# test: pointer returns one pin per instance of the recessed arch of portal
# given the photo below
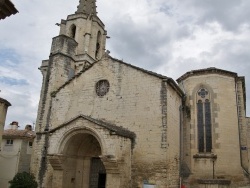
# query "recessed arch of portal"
(81, 149)
(79, 136)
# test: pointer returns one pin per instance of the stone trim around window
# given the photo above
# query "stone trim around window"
(102, 87)
(205, 155)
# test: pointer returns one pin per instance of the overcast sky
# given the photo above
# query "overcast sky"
(170, 37)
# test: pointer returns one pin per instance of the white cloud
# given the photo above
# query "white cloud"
(170, 37)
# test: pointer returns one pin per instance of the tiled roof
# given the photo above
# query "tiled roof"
(13, 133)
(5, 101)
(7, 8)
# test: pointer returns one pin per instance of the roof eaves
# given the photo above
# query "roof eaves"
(174, 85)
(141, 69)
(210, 70)
(5, 101)
(7, 9)
(242, 79)
(18, 137)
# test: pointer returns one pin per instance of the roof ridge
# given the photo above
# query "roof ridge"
(141, 69)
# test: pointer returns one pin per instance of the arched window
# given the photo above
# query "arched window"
(98, 44)
(72, 31)
(204, 125)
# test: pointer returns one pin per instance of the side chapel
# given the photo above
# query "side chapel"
(106, 123)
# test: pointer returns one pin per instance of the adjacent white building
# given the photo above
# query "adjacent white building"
(16, 152)
(4, 104)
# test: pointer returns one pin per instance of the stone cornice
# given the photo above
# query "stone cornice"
(114, 129)
(85, 16)
(211, 70)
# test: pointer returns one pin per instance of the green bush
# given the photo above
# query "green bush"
(23, 180)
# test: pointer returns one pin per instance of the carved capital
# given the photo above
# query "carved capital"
(111, 164)
(56, 161)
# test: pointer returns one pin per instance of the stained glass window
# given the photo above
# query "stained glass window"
(202, 93)
(208, 126)
(200, 126)
(204, 125)
(102, 87)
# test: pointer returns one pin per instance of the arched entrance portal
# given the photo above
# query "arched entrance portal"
(82, 167)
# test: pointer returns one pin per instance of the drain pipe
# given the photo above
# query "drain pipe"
(237, 100)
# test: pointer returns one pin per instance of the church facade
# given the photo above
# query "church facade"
(105, 123)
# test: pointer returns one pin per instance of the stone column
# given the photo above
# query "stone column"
(113, 180)
(112, 172)
(57, 181)
(86, 43)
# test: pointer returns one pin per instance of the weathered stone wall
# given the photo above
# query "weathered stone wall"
(55, 73)
(70, 52)
(248, 141)
(225, 129)
(174, 103)
(86, 33)
(116, 151)
(37, 157)
(242, 123)
(25, 157)
(134, 101)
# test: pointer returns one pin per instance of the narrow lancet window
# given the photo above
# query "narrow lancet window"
(98, 44)
(208, 126)
(200, 126)
(73, 31)
(204, 125)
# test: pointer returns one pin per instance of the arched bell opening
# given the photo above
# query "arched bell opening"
(72, 32)
(98, 45)
(82, 166)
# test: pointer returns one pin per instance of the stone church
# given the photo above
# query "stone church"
(105, 123)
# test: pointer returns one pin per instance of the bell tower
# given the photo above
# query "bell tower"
(80, 43)
(87, 30)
